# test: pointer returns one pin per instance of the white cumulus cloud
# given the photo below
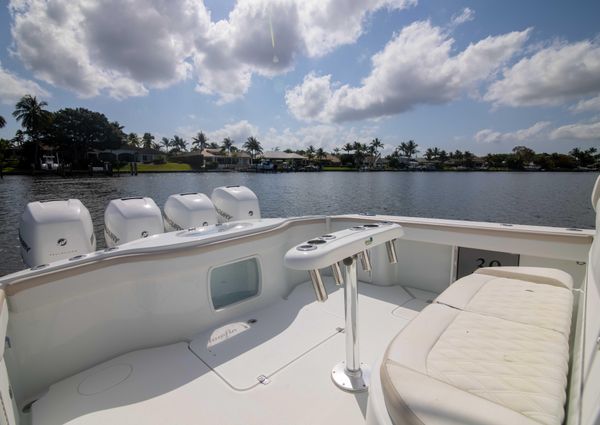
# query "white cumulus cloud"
(238, 132)
(585, 105)
(526, 134)
(577, 131)
(13, 87)
(466, 15)
(551, 76)
(415, 67)
(127, 48)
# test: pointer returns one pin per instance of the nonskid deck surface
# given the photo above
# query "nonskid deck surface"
(294, 343)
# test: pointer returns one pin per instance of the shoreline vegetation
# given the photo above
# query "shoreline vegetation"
(77, 142)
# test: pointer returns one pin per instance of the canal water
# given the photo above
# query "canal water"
(548, 199)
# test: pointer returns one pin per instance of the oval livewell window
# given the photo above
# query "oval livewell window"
(234, 282)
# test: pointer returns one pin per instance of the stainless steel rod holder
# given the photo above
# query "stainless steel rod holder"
(365, 260)
(391, 251)
(351, 375)
(337, 274)
(318, 285)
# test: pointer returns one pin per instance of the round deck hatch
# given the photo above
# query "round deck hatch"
(104, 379)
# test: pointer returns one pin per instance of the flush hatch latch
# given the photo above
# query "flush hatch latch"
(263, 380)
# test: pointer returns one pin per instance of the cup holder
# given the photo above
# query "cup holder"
(316, 241)
(306, 247)
(328, 237)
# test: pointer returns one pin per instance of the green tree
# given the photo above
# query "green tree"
(75, 131)
(2, 121)
(524, 154)
(429, 154)
(374, 149)
(409, 148)
(199, 142)
(148, 141)
(468, 158)
(320, 154)
(348, 147)
(226, 146)
(253, 147)
(310, 153)
(165, 143)
(178, 145)
(34, 119)
(133, 140)
(584, 157)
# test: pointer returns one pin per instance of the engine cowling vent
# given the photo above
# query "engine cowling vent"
(128, 219)
(187, 210)
(234, 203)
(54, 230)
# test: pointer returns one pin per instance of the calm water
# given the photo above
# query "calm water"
(552, 199)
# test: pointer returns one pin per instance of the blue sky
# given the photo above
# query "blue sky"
(478, 76)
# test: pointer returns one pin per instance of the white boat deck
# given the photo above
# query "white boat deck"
(214, 378)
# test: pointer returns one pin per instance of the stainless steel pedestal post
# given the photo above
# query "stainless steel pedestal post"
(351, 375)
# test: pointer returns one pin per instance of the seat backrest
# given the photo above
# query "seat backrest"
(7, 403)
(590, 398)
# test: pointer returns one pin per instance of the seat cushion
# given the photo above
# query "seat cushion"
(544, 275)
(450, 365)
(544, 305)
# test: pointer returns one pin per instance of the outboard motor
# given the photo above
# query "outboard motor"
(128, 219)
(55, 230)
(235, 203)
(186, 210)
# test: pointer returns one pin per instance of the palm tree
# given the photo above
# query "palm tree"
(336, 151)
(33, 118)
(166, 143)
(429, 154)
(226, 146)
(348, 148)
(374, 148)
(443, 156)
(133, 140)
(200, 141)
(310, 153)
(147, 140)
(320, 154)
(253, 147)
(359, 153)
(178, 144)
(411, 148)
(2, 121)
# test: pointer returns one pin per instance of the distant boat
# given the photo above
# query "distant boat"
(50, 163)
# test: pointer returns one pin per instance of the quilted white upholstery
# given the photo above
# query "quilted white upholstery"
(490, 337)
(546, 306)
(521, 367)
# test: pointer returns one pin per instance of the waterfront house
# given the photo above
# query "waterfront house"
(127, 153)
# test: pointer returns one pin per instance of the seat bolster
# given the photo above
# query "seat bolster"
(416, 399)
(543, 275)
(412, 345)
(461, 292)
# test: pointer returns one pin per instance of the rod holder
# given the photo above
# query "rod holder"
(365, 260)
(351, 375)
(391, 251)
(337, 274)
(318, 285)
